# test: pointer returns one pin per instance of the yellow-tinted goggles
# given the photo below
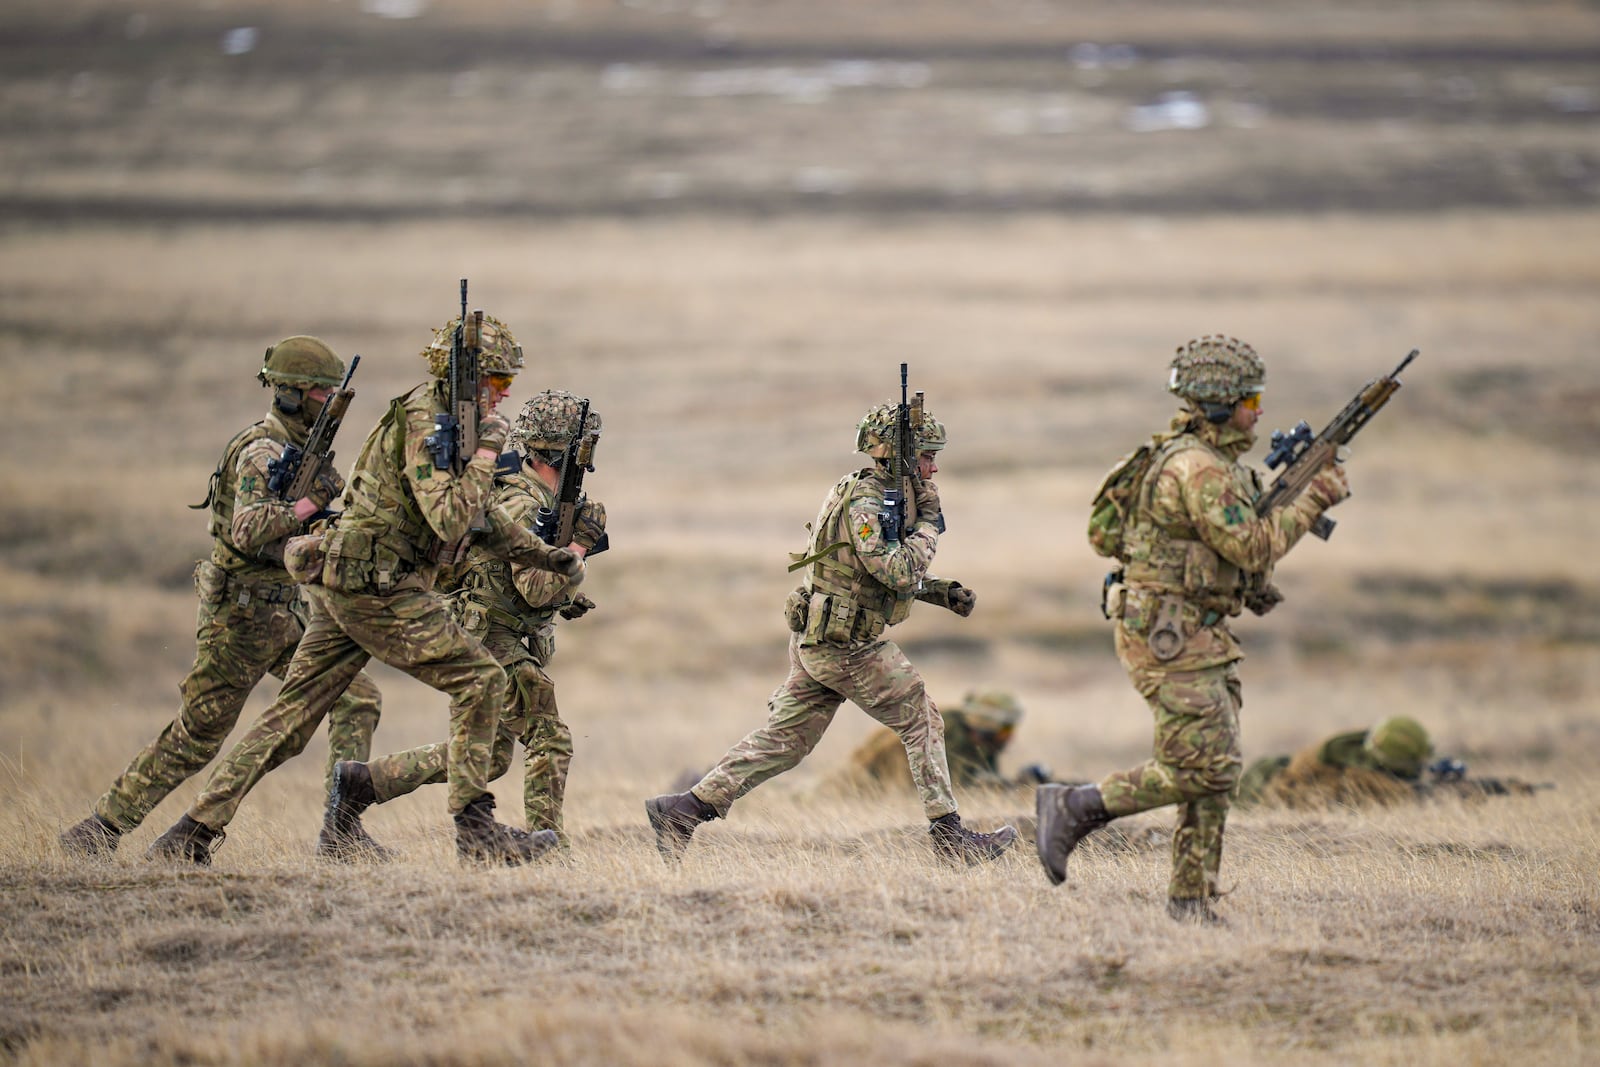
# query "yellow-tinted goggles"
(501, 382)
(1251, 401)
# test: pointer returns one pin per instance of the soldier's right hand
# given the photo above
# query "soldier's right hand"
(327, 487)
(1330, 486)
(928, 505)
(493, 429)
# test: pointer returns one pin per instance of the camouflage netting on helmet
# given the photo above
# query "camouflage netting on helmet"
(992, 709)
(501, 353)
(1216, 370)
(1400, 745)
(548, 421)
(875, 432)
(301, 361)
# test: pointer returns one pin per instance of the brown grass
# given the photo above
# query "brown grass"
(172, 215)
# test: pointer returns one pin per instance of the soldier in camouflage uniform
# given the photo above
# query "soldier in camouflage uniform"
(1385, 765)
(512, 608)
(375, 598)
(857, 584)
(976, 732)
(1193, 554)
(251, 614)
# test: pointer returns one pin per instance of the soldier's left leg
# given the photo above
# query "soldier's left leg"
(1197, 840)
(1196, 751)
(354, 716)
(882, 682)
(547, 749)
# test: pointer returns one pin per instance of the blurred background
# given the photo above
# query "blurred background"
(727, 222)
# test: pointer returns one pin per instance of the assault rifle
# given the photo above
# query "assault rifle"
(1449, 775)
(292, 475)
(900, 501)
(554, 526)
(1303, 456)
(455, 430)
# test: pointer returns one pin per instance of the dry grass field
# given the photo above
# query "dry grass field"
(727, 222)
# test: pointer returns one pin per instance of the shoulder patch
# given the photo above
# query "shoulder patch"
(424, 470)
(247, 484)
(1233, 514)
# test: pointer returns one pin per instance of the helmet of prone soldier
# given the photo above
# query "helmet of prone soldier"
(875, 433)
(1216, 372)
(301, 362)
(547, 423)
(501, 354)
(994, 710)
(1399, 745)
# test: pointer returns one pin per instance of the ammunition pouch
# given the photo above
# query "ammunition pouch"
(1165, 621)
(838, 619)
(359, 563)
(217, 587)
(794, 610)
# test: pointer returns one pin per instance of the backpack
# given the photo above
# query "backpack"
(1114, 503)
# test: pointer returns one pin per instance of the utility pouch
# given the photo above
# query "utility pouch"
(349, 562)
(210, 582)
(816, 619)
(841, 620)
(1113, 595)
(385, 568)
(794, 610)
(1166, 638)
(304, 557)
(899, 611)
(1201, 569)
(869, 625)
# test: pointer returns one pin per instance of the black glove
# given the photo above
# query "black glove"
(493, 429)
(1260, 601)
(589, 524)
(948, 594)
(327, 487)
(577, 607)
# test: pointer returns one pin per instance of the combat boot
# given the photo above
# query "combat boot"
(343, 838)
(1195, 911)
(90, 839)
(479, 839)
(673, 816)
(186, 840)
(1066, 815)
(954, 841)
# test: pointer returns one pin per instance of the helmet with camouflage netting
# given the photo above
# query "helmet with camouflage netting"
(1216, 370)
(1399, 745)
(875, 433)
(301, 362)
(547, 423)
(992, 710)
(501, 354)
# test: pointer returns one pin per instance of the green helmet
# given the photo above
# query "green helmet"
(991, 710)
(1216, 370)
(501, 354)
(875, 432)
(1399, 745)
(547, 422)
(301, 361)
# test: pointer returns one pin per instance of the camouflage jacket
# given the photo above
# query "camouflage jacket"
(248, 523)
(399, 508)
(853, 572)
(487, 591)
(1194, 541)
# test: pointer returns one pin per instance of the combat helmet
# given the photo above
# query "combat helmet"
(875, 432)
(994, 710)
(1215, 371)
(546, 424)
(501, 354)
(1399, 745)
(301, 362)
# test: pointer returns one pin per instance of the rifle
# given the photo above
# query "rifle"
(455, 430)
(1305, 456)
(554, 526)
(1448, 774)
(900, 502)
(292, 475)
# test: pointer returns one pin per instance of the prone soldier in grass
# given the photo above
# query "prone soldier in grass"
(420, 486)
(252, 615)
(867, 562)
(512, 608)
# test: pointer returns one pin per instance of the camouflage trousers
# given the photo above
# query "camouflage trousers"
(409, 629)
(235, 646)
(879, 679)
(530, 717)
(1195, 765)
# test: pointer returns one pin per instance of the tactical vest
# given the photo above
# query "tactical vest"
(1172, 560)
(847, 604)
(382, 536)
(219, 499)
(485, 585)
